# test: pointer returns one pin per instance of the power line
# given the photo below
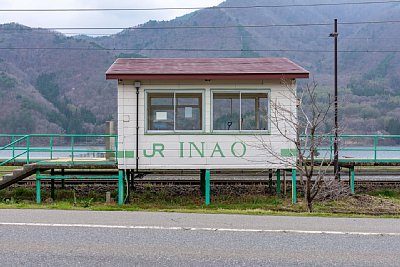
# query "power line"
(179, 27)
(195, 8)
(209, 26)
(227, 36)
(196, 50)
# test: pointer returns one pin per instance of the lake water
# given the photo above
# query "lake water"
(392, 152)
(58, 152)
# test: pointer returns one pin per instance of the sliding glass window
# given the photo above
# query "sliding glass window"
(175, 111)
(241, 111)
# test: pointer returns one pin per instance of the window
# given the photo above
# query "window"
(174, 111)
(241, 111)
(161, 111)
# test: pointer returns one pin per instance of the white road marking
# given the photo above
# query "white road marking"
(178, 228)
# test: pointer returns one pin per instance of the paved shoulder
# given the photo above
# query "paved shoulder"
(202, 221)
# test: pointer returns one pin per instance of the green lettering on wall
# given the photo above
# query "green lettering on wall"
(125, 154)
(217, 149)
(289, 152)
(235, 153)
(200, 152)
(181, 149)
(157, 148)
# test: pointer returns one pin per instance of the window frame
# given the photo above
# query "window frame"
(240, 91)
(174, 92)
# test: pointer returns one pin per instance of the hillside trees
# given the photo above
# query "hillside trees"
(70, 117)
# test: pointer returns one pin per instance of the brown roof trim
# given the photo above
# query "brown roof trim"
(257, 76)
(204, 69)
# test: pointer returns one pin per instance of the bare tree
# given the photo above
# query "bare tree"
(303, 124)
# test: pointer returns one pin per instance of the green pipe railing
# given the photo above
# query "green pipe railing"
(28, 145)
(369, 147)
(23, 147)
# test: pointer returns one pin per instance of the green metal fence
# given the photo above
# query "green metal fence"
(361, 148)
(35, 147)
(39, 147)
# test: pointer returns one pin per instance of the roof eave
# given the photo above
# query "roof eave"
(234, 76)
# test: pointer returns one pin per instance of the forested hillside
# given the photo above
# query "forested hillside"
(50, 82)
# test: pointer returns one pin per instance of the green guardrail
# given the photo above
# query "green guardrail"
(360, 148)
(24, 147)
(352, 148)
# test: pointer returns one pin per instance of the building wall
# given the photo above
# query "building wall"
(217, 150)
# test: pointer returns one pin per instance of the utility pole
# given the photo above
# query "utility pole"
(336, 168)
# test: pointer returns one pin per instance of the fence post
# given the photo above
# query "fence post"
(37, 187)
(375, 145)
(51, 147)
(28, 148)
(13, 147)
(109, 143)
(72, 148)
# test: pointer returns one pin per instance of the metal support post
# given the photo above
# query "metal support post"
(137, 85)
(203, 182)
(278, 182)
(132, 185)
(37, 187)
(270, 181)
(120, 187)
(62, 180)
(128, 189)
(294, 196)
(207, 187)
(52, 186)
(336, 166)
(351, 174)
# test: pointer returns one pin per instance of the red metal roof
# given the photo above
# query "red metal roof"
(204, 68)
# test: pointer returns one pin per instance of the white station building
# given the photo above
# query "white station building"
(203, 114)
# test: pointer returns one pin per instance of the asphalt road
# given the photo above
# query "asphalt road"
(85, 238)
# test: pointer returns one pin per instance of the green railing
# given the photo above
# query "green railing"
(34, 147)
(38, 147)
(361, 148)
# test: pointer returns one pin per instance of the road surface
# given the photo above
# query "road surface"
(88, 238)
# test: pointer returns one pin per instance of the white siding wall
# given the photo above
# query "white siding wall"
(255, 157)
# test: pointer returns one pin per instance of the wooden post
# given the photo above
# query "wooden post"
(108, 197)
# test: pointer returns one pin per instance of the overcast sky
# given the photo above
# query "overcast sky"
(94, 19)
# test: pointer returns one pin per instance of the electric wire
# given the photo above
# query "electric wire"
(198, 50)
(205, 26)
(199, 7)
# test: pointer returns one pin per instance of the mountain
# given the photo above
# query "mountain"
(62, 88)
